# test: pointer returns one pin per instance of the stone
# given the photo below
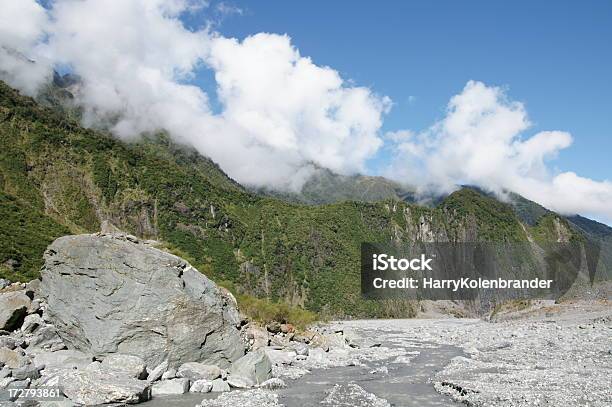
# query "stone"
(170, 387)
(255, 366)
(273, 384)
(46, 338)
(13, 309)
(62, 359)
(201, 386)
(196, 371)
(12, 358)
(300, 348)
(31, 323)
(158, 371)
(131, 365)
(280, 357)
(246, 398)
(169, 374)
(5, 372)
(110, 293)
(219, 385)
(29, 371)
(4, 283)
(287, 328)
(239, 382)
(103, 386)
(258, 337)
(7, 342)
(274, 327)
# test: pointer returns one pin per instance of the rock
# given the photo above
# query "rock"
(273, 384)
(218, 385)
(300, 348)
(169, 387)
(5, 372)
(131, 365)
(157, 373)
(169, 374)
(196, 371)
(257, 336)
(29, 371)
(255, 366)
(101, 387)
(280, 357)
(246, 398)
(5, 381)
(274, 327)
(7, 342)
(287, 328)
(12, 358)
(109, 293)
(13, 309)
(46, 338)
(4, 283)
(279, 341)
(239, 382)
(31, 323)
(380, 370)
(62, 359)
(201, 386)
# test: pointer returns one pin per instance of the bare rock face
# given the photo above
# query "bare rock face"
(111, 293)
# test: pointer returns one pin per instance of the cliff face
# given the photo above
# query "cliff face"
(58, 178)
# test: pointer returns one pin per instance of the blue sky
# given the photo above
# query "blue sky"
(554, 56)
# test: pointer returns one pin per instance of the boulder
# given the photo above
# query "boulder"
(158, 371)
(280, 357)
(28, 371)
(7, 342)
(219, 385)
(62, 359)
(46, 338)
(93, 387)
(255, 366)
(273, 384)
(239, 382)
(31, 323)
(12, 358)
(131, 365)
(196, 371)
(170, 387)
(201, 386)
(13, 309)
(258, 337)
(169, 374)
(110, 293)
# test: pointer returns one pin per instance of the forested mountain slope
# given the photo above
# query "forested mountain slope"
(57, 177)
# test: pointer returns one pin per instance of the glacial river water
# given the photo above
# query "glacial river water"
(405, 384)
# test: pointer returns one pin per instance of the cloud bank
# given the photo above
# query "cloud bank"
(281, 115)
(480, 142)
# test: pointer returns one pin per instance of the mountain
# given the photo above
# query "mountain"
(57, 177)
(325, 186)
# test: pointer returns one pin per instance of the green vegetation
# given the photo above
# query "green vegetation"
(58, 178)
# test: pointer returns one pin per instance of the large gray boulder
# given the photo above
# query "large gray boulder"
(110, 293)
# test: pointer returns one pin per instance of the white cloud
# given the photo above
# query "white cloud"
(281, 114)
(22, 26)
(480, 142)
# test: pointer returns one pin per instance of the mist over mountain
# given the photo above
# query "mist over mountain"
(280, 116)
